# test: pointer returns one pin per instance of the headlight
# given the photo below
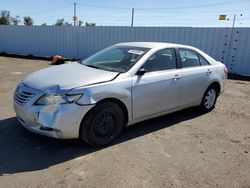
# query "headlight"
(50, 99)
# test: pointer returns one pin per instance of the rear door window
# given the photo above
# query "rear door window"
(203, 61)
(189, 58)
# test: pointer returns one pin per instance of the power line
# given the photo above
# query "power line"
(163, 8)
(138, 10)
(193, 6)
(100, 6)
(179, 13)
(197, 11)
(243, 19)
(47, 10)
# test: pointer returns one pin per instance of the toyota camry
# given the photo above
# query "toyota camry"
(95, 98)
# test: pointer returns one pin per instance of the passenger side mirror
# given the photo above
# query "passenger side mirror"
(141, 71)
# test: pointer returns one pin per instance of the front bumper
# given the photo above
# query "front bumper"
(58, 121)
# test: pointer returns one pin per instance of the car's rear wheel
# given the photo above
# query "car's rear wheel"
(209, 99)
(102, 124)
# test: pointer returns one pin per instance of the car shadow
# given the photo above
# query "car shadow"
(23, 151)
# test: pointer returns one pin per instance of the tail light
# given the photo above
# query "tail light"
(225, 71)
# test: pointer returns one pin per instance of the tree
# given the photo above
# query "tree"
(89, 24)
(80, 22)
(61, 22)
(28, 20)
(15, 20)
(5, 18)
(67, 24)
(44, 24)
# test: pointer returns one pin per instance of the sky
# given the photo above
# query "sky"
(195, 13)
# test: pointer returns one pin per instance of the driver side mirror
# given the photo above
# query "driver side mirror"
(141, 71)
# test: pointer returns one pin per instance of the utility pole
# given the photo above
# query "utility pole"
(230, 42)
(232, 32)
(231, 37)
(132, 21)
(234, 21)
(74, 17)
(229, 59)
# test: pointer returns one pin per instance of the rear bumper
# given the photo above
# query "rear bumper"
(223, 85)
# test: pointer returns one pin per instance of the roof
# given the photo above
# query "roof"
(161, 45)
(153, 45)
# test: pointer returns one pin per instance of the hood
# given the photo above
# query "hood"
(67, 76)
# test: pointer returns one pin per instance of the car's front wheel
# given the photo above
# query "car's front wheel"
(102, 124)
(209, 99)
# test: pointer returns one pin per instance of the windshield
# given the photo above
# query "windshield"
(115, 58)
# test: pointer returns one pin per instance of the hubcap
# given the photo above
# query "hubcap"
(105, 125)
(210, 98)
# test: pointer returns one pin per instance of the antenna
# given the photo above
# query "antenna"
(132, 21)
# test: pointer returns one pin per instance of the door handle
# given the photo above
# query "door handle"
(209, 71)
(177, 77)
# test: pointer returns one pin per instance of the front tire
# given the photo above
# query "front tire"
(209, 99)
(102, 124)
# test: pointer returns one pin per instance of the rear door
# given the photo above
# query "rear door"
(194, 77)
(157, 90)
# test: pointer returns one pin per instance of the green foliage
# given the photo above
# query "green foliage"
(27, 20)
(80, 23)
(61, 22)
(15, 20)
(89, 24)
(5, 18)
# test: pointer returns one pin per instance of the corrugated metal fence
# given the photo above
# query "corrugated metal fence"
(232, 47)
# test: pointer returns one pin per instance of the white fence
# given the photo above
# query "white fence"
(232, 47)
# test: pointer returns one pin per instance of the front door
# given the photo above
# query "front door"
(159, 89)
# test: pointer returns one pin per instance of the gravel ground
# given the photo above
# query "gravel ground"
(184, 149)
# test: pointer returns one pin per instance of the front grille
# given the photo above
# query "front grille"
(22, 97)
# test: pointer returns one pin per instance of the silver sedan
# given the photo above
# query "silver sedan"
(121, 85)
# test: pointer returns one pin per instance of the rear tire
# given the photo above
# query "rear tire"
(209, 99)
(102, 124)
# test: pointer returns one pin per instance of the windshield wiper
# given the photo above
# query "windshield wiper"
(100, 67)
(92, 66)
